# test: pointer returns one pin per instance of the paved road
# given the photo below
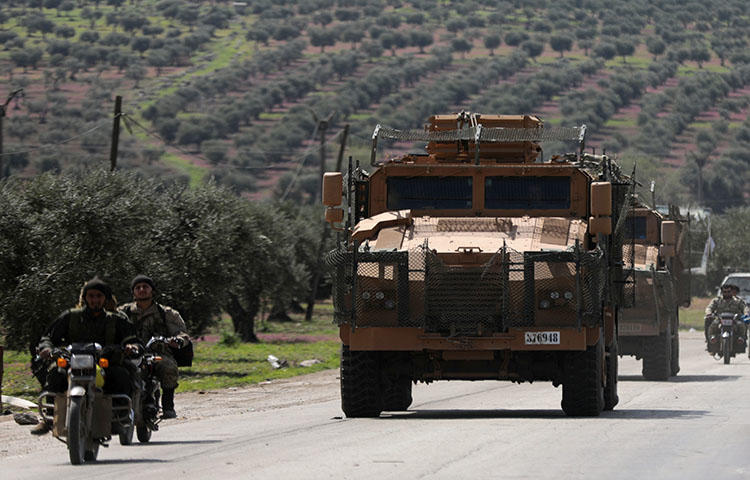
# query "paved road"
(694, 426)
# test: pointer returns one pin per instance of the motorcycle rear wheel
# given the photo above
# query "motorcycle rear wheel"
(76, 432)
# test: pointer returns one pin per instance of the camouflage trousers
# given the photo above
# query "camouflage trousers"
(166, 371)
(740, 329)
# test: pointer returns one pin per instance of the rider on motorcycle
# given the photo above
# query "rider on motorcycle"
(88, 323)
(725, 302)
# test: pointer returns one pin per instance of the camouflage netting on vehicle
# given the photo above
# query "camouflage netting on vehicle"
(654, 298)
(512, 289)
(483, 134)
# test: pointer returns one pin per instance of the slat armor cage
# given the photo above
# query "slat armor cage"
(512, 289)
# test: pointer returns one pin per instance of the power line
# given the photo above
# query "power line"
(52, 145)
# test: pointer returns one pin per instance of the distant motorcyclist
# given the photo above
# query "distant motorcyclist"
(89, 322)
(725, 302)
(152, 319)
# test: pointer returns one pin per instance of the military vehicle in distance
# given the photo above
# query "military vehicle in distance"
(654, 249)
(477, 260)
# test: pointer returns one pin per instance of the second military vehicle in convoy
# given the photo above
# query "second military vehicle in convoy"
(654, 251)
(478, 260)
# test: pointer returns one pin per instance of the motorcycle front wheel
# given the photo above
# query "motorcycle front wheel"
(76, 431)
(143, 433)
(726, 349)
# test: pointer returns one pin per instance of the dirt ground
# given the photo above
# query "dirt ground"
(16, 440)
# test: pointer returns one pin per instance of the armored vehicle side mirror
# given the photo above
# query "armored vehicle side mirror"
(601, 225)
(601, 199)
(601, 208)
(668, 239)
(333, 188)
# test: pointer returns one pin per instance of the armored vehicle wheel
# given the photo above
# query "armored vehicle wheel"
(675, 363)
(76, 431)
(361, 394)
(610, 388)
(397, 394)
(143, 433)
(657, 356)
(583, 389)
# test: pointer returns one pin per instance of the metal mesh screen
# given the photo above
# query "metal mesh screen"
(512, 289)
(654, 297)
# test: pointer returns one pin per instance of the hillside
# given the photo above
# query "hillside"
(232, 91)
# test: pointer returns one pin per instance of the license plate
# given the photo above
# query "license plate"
(542, 338)
(727, 321)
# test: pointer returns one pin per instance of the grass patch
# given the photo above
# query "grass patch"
(692, 316)
(227, 363)
(219, 366)
(621, 122)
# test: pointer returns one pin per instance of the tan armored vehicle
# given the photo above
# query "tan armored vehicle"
(654, 250)
(477, 260)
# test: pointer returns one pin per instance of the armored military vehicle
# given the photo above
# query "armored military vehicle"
(478, 260)
(654, 249)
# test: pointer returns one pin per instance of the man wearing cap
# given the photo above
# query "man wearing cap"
(726, 302)
(152, 319)
(88, 323)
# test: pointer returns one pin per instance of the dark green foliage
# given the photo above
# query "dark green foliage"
(207, 249)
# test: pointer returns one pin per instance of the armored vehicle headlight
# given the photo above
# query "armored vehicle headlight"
(389, 304)
(380, 295)
(544, 304)
(554, 295)
(568, 295)
(81, 361)
(365, 295)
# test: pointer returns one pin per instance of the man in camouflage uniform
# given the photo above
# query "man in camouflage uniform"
(88, 323)
(726, 302)
(154, 320)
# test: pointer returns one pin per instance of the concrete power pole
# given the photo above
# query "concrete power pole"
(3, 109)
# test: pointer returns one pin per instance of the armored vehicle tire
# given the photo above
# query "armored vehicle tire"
(76, 431)
(143, 433)
(610, 387)
(675, 351)
(397, 394)
(657, 356)
(583, 389)
(361, 394)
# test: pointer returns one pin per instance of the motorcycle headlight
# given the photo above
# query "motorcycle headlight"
(81, 362)
(544, 304)
(554, 295)
(568, 295)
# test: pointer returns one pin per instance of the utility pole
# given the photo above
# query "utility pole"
(115, 134)
(326, 228)
(3, 108)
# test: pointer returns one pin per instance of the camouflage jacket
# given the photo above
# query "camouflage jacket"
(732, 305)
(79, 325)
(151, 323)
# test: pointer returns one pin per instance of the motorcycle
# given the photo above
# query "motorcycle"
(727, 343)
(84, 417)
(147, 397)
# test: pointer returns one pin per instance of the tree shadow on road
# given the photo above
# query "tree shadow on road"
(680, 378)
(655, 414)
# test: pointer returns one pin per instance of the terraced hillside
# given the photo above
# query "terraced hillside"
(234, 92)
